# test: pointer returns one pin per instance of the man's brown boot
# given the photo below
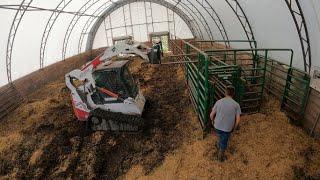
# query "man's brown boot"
(221, 156)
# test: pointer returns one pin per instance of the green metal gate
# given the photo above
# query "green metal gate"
(290, 85)
(250, 71)
(198, 83)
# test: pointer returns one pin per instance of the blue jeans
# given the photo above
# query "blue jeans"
(223, 139)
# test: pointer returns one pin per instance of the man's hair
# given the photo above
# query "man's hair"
(230, 91)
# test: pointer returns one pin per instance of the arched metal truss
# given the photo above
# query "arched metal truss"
(198, 14)
(301, 26)
(73, 23)
(148, 15)
(192, 23)
(12, 34)
(242, 17)
(193, 17)
(118, 4)
(39, 9)
(233, 4)
(213, 15)
(54, 16)
(217, 20)
(85, 31)
(89, 22)
(171, 22)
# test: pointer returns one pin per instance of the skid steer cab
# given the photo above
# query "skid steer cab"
(104, 93)
(115, 82)
(116, 104)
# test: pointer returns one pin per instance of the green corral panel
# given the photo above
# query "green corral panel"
(249, 71)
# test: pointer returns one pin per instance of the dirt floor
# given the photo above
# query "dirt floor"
(42, 139)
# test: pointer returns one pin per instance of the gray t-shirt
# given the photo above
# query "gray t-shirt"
(226, 110)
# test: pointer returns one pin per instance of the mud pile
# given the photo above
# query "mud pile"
(43, 139)
(265, 147)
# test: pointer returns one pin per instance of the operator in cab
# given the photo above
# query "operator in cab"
(225, 117)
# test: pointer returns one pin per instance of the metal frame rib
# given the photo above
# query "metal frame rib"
(301, 26)
(217, 20)
(116, 5)
(12, 34)
(242, 17)
(72, 24)
(39, 9)
(89, 22)
(191, 13)
(54, 16)
(196, 14)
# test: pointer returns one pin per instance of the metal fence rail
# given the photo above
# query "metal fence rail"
(219, 44)
(251, 71)
(290, 85)
(197, 78)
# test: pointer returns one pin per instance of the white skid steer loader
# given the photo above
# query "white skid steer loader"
(104, 93)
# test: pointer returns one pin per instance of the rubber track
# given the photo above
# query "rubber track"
(123, 121)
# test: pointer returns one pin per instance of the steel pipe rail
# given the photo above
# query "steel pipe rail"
(116, 5)
(202, 20)
(187, 10)
(72, 24)
(242, 17)
(12, 34)
(217, 20)
(89, 22)
(54, 16)
(175, 9)
(34, 8)
(301, 26)
(237, 9)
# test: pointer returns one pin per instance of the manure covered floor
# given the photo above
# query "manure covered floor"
(42, 139)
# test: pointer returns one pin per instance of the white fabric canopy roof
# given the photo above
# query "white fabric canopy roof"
(272, 26)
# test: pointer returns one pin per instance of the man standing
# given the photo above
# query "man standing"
(226, 117)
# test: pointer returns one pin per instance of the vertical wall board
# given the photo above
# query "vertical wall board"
(312, 112)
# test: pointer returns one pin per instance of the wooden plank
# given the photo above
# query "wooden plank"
(5, 92)
(315, 93)
(314, 99)
(8, 106)
(311, 116)
(5, 112)
(10, 100)
(8, 96)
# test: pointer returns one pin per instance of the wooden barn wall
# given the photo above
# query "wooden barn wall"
(275, 84)
(312, 113)
(12, 95)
